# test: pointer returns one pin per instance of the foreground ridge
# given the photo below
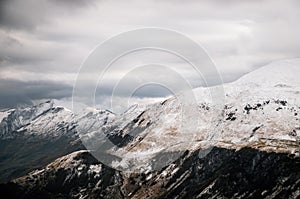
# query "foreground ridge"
(247, 173)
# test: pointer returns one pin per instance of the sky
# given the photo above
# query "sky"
(44, 42)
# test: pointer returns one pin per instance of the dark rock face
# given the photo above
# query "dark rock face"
(228, 174)
(223, 173)
(65, 179)
(22, 154)
(22, 150)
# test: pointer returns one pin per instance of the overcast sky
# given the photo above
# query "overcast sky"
(44, 42)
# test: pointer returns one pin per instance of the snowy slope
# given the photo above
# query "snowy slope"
(260, 110)
(276, 74)
(266, 106)
(47, 119)
(34, 136)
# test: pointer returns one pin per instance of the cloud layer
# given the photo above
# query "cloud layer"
(44, 43)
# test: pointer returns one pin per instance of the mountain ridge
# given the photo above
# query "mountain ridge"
(250, 118)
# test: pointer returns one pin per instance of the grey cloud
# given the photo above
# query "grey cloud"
(22, 14)
(13, 51)
(29, 14)
(15, 92)
(73, 3)
(53, 36)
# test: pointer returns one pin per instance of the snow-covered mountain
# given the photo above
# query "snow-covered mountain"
(47, 119)
(32, 137)
(261, 111)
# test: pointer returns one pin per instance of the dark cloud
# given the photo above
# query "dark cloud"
(22, 14)
(15, 92)
(29, 14)
(73, 3)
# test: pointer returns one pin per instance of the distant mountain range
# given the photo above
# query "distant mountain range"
(248, 148)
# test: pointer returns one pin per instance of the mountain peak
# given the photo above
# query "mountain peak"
(284, 73)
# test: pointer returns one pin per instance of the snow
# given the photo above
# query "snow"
(95, 168)
(267, 126)
(3, 115)
(276, 74)
(259, 110)
(149, 177)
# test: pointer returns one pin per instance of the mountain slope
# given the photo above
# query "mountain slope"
(223, 173)
(250, 144)
(261, 110)
(33, 137)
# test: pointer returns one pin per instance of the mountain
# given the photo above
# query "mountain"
(239, 140)
(223, 173)
(260, 110)
(34, 136)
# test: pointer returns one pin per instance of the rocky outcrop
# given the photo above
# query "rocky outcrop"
(223, 173)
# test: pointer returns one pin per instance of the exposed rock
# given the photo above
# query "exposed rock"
(223, 173)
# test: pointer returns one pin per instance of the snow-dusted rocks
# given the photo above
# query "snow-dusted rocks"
(48, 119)
(223, 173)
(260, 110)
(32, 137)
(255, 137)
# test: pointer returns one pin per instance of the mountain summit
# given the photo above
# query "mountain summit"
(153, 148)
